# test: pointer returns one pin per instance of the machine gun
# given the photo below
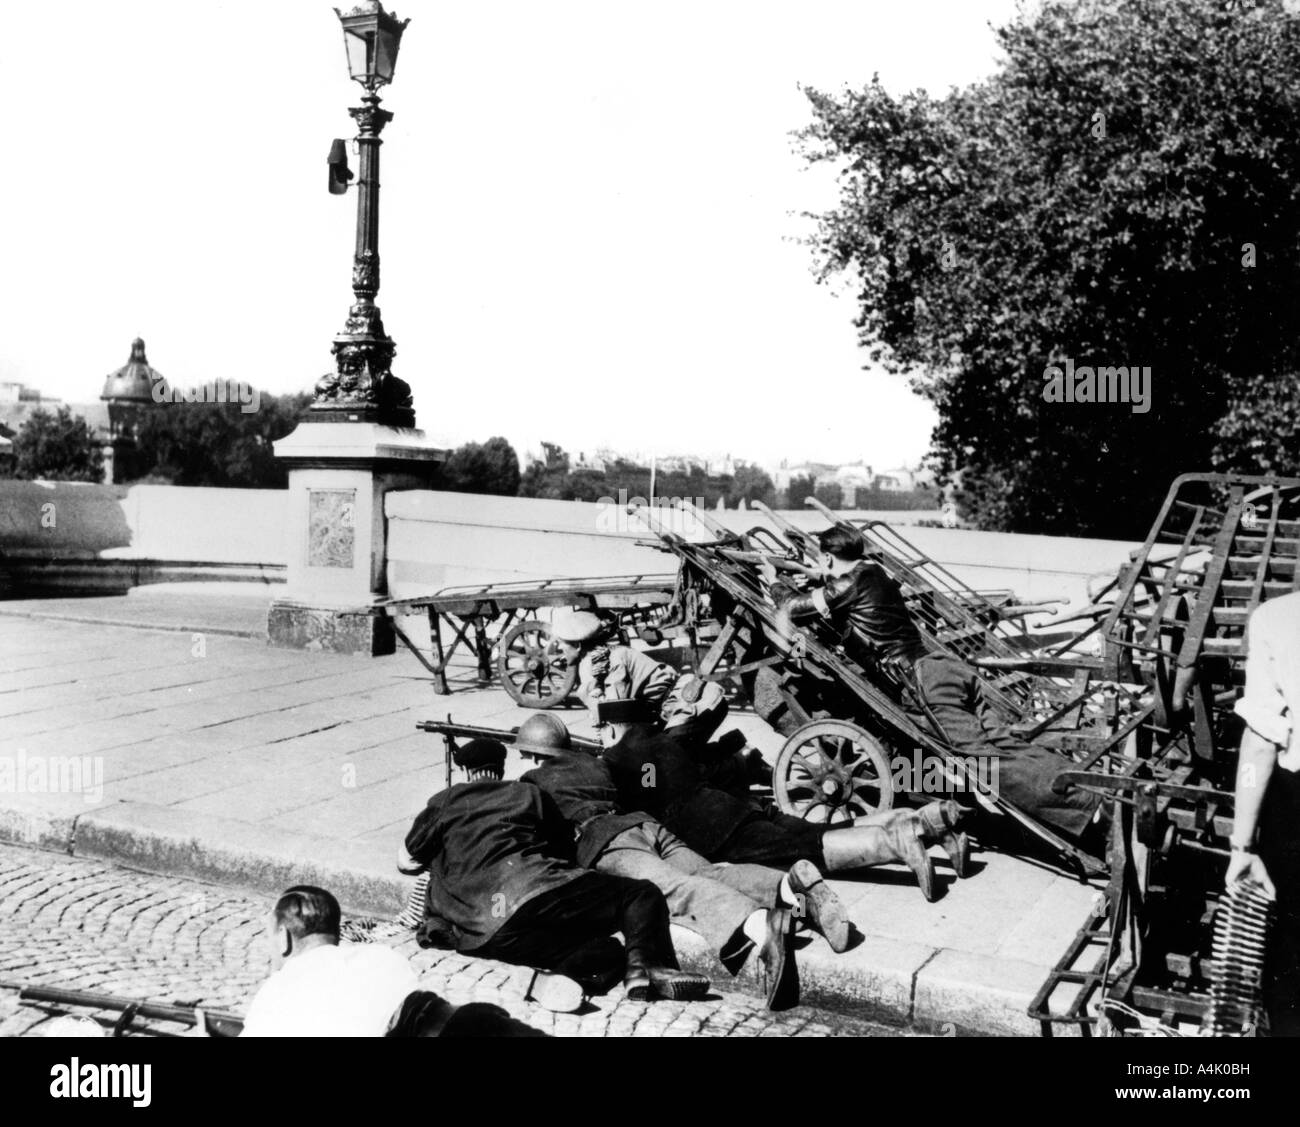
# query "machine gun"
(217, 1023)
(451, 732)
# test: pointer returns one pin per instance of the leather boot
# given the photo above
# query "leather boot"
(820, 906)
(878, 840)
(939, 822)
(646, 984)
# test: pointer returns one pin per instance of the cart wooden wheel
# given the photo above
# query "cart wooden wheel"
(831, 771)
(532, 668)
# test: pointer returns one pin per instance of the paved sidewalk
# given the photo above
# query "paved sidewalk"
(238, 609)
(228, 761)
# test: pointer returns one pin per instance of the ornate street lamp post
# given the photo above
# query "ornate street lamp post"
(358, 443)
(363, 387)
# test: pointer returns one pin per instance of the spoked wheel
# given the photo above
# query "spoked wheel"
(532, 668)
(832, 771)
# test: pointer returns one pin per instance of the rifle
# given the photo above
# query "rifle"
(451, 731)
(218, 1023)
(781, 563)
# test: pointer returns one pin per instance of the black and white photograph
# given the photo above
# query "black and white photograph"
(789, 528)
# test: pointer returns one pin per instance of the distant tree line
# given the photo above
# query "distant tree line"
(833, 496)
(175, 444)
(217, 444)
(57, 445)
(555, 478)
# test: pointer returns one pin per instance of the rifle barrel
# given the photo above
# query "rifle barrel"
(220, 1022)
(781, 563)
(474, 732)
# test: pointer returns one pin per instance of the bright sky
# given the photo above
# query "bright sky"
(588, 210)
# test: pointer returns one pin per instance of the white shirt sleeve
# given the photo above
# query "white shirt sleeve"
(1263, 706)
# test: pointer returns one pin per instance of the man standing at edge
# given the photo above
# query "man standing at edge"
(1268, 796)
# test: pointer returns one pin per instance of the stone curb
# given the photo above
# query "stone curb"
(880, 979)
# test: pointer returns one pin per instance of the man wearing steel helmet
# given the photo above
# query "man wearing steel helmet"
(737, 908)
(503, 886)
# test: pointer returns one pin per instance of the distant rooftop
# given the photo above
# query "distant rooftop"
(135, 380)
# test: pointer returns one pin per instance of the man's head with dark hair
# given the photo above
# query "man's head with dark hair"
(842, 547)
(304, 917)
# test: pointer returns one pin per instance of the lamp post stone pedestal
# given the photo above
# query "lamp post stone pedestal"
(337, 550)
(359, 441)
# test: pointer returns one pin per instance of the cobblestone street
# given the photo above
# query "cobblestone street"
(86, 925)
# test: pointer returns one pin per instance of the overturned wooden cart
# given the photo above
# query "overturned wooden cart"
(838, 767)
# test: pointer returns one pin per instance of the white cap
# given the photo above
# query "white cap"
(575, 626)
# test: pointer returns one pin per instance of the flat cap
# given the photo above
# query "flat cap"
(575, 626)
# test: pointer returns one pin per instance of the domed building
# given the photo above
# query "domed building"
(131, 389)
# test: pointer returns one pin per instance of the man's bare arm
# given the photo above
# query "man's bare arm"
(1255, 765)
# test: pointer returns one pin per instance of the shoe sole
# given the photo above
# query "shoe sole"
(675, 989)
(957, 846)
(553, 992)
(782, 989)
(557, 993)
(826, 911)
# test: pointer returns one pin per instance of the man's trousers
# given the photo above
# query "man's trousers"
(1279, 849)
(955, 700)
(568, 930)
(773, 838)
(711, 900)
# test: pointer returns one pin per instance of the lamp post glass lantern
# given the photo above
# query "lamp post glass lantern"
(371, 37)
(363, 387)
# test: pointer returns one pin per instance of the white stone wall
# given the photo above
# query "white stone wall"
(438, 539)
(71, 520)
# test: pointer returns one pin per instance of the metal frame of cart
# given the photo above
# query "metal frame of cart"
(493, 621)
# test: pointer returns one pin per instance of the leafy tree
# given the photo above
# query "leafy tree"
(549, 479)
(830, 494)
(750, 484)
(1123, 192)
(1261, 430)
(7, 453)
(800, 487)
(59, 446)
(490, 467)
(217, 443)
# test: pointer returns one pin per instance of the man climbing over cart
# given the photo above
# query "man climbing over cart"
(863, 606)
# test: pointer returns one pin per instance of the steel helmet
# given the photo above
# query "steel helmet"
(543, 733)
